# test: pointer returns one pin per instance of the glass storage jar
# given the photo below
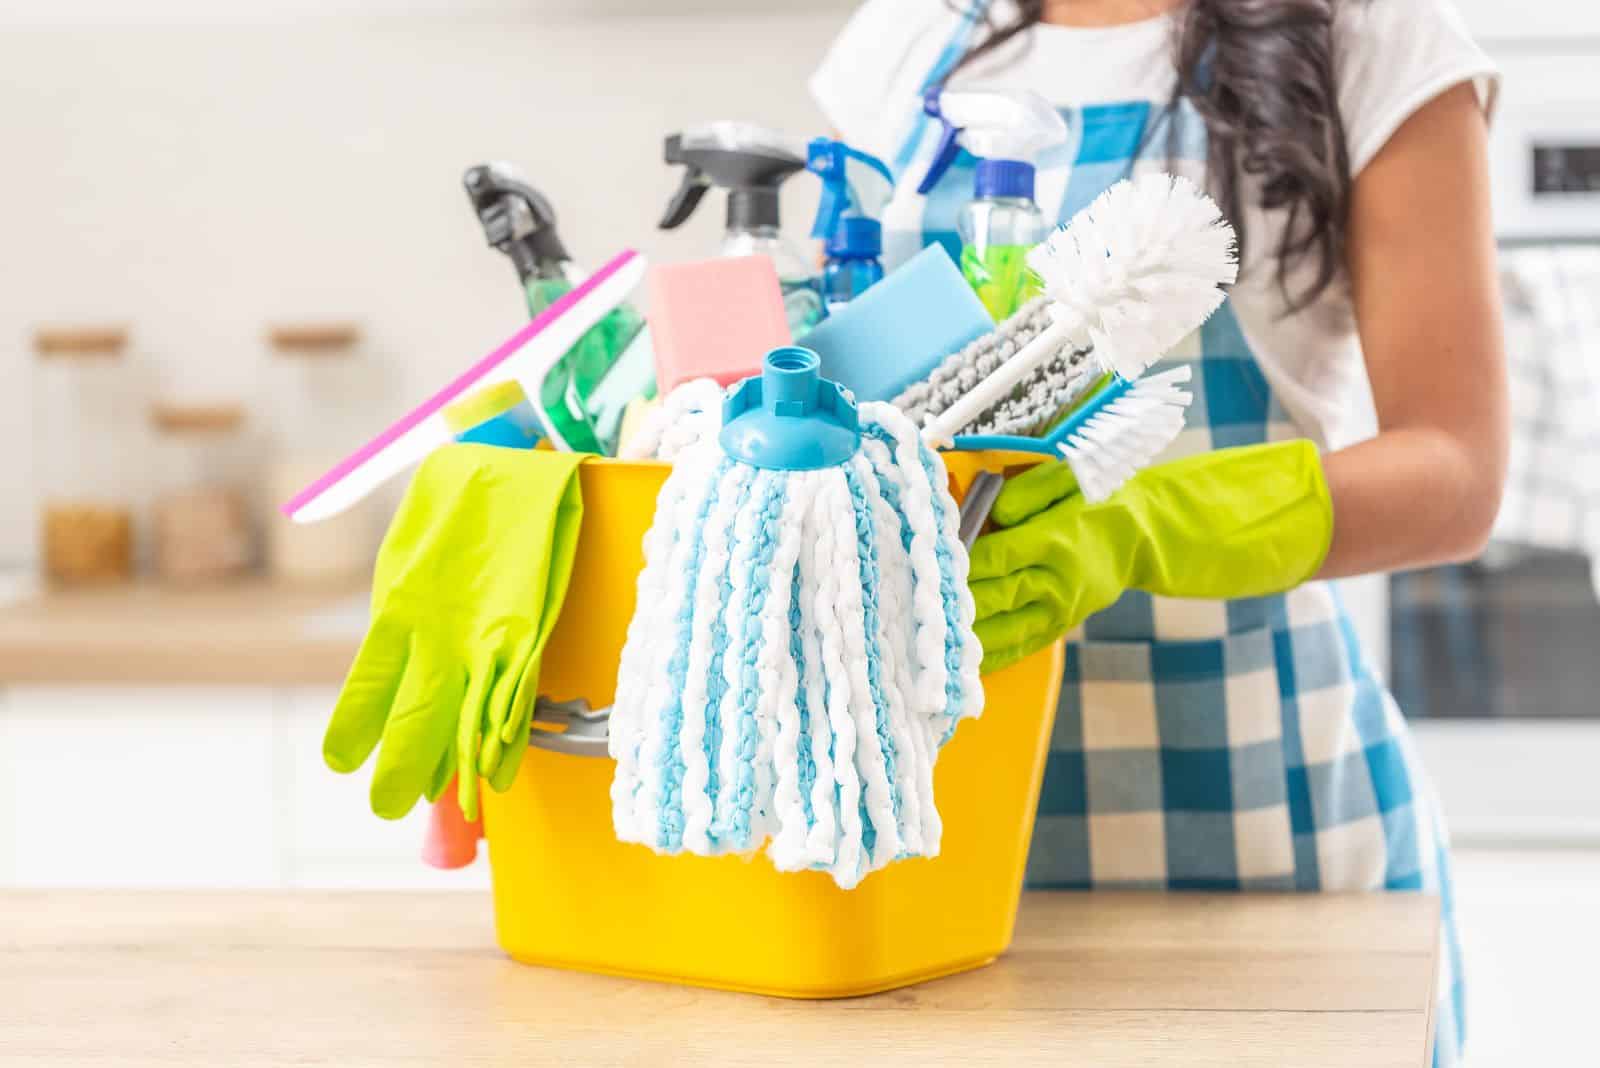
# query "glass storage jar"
(324, 398)
(200, 519)
(88, 437)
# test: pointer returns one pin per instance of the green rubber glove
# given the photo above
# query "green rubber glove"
(1233, 523)
(468, 585)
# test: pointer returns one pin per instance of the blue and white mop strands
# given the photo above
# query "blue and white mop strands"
(802, 643)
(691, 412)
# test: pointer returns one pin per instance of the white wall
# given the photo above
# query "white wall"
(199, 181)
(1557, 21)
(199, 169)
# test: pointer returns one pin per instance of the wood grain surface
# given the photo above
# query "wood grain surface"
(248, 979)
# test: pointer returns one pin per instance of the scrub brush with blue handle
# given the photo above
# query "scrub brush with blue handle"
(1126, 280)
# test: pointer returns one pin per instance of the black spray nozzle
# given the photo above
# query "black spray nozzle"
(750, 163)
(690, 191)
(516, 218)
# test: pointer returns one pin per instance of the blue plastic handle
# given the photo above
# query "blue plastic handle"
(830, 160)
(1047, 444)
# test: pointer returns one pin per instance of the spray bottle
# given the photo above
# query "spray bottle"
(586, 390)
(855, 188)
(1005, 129)
(751, 163)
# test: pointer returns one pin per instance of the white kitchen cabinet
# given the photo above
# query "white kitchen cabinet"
(123, 786)
(332, 838)
(138, 787)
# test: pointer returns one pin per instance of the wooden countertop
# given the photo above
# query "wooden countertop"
(246, 633)
(377, 978)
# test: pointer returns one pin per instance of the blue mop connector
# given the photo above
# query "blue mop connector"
(790, 418)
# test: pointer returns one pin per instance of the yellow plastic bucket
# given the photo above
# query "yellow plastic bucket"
(569, 895)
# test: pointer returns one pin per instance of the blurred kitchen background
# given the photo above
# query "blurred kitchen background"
(234, 245)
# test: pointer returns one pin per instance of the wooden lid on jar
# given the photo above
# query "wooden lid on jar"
(314, 339)
(80, 341)
(197, 418)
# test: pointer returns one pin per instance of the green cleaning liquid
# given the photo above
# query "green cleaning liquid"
(569, 390)
(1000, 275)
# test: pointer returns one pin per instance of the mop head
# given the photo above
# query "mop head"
(692, 412)
(802, 643)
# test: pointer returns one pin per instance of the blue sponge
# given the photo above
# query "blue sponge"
(899, 330)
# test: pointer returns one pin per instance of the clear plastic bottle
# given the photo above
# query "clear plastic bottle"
(802, 298)
(855, 188)
(996, 233)
(1005, 129)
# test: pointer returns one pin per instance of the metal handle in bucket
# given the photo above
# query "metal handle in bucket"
(586, 731)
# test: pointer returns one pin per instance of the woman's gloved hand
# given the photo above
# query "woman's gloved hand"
(467, 588)
(1241, 522)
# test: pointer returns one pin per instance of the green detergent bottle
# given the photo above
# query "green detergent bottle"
(585, 393)
(1005, 129)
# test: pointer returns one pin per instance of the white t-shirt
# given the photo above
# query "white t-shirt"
(1391, 57)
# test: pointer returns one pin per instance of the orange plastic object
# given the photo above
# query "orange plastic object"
(450, 841)
(569, 895)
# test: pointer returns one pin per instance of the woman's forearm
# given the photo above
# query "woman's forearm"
(1427, 299)
(1411, 498)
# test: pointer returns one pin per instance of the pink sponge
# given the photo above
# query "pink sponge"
(714, 319)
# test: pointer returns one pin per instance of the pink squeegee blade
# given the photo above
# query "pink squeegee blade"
(459, 385)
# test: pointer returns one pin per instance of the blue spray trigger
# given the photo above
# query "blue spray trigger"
(948, 148)
(830, 209)
(825, 159)
(853, 182)
(790, 418)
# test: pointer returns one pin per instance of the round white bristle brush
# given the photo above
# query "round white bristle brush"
(1130, 275)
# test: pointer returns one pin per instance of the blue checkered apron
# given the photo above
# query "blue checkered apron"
(1210, 745)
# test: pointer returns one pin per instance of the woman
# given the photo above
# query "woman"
(1350, 418)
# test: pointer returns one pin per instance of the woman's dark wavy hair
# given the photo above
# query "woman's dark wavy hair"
(1260, 73)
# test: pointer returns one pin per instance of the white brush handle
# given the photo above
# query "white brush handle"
(941, 429)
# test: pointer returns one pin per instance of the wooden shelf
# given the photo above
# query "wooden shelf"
(246, 633)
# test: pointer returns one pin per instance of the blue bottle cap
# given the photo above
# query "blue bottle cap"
(1003, 178)
(856, 238)
(790, 418)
